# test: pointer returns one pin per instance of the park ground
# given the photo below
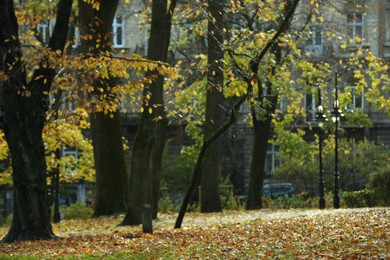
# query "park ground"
(265, 234)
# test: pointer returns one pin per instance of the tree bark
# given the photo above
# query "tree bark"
(110, 164)
(211, 171)
(150, 138)
(261, 131)
(24, 109)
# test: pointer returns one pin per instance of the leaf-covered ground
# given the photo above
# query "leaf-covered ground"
(304, 234)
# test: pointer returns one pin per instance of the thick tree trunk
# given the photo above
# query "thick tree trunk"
(110, 164)
(24, 116)
(211, 171)
(23, 132)
(150, 139)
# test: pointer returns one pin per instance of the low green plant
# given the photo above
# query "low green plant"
(359, 199)
(193, 207)
(231, 202)
(297, 201)
(77, 210)
(166, 205)
(379, 185)
(6, 222)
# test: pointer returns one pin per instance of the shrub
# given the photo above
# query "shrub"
(166, 205)
(6, 222)
(379, 185)
(359, 199)
(231, 202)
(77, 210)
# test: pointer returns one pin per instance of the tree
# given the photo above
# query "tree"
(211, 169)
(111, 175)
(150, 137)
(24, 112)
(262, 109)
(250, 79)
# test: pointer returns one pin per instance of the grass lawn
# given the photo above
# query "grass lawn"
(278, 234)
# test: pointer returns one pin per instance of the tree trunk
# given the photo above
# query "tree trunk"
(110, 164)
(210, 200)
(55, 189)
(257, 171)
(262, 126)
(24, 111)
(150, 138)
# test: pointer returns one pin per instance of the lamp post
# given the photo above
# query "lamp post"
(336, 115)
(321, 118)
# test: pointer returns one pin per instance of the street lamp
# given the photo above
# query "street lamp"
(321, 118)
(336, 115)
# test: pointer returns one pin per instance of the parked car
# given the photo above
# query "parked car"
(278, 189)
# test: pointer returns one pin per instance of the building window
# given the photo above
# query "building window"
(76, 37)
(310, 106)
(146, 41)
(44, 32)
(355, 28)
(314, 44)
(357, 99)
(387, 23)
(118, 32)
(68, 101)
(71, 167)
(315, 38)
(282, 104)
(271, 162)
(387, 29)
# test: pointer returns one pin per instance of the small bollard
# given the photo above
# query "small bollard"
(147, 226)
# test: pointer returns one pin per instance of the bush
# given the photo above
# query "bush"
(297, 201)
(359, 199)
(6, 222)
(379, 185)
(231, 202)
(77, 210)
(166, 205)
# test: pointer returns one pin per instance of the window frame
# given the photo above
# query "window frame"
(351, 107)
(312, 111)
(118, 26)
(44, 31)
(351, 28)
(272, 150)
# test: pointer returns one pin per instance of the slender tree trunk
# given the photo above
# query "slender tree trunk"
(151, 132)
(56, 189)
(261, 131)
(110, 164)
(24, 110)
(211, 170)
(262, 128)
